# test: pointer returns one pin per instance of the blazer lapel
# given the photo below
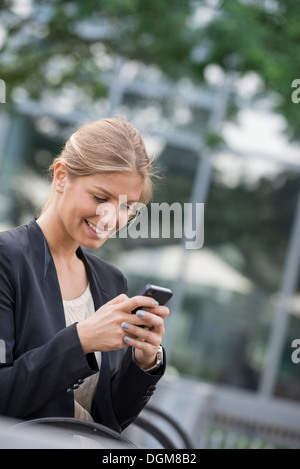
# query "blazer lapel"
(47, 278)
(45, 267)
(100, 296)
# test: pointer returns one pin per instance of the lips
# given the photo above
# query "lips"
(94, 230)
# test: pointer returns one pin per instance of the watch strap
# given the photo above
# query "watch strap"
(159, 360)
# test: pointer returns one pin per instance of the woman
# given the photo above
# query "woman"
(72, 346)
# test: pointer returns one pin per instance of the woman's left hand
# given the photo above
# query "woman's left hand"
(147, 339)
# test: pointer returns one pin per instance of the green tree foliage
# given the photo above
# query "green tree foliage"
(52, 46)
(261, 36)
(152, 32)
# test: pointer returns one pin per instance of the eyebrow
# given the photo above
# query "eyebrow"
(109, 194)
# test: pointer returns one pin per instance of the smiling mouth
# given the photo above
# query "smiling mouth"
(98, 233)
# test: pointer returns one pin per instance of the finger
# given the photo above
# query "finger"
(144, 318)
(150, 319)
(144, 334)
(162, 311)
(138, 302)
(140, 344)
(118, 299)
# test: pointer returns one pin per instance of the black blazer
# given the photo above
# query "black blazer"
(44, 360)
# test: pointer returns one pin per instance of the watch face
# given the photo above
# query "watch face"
(159, 356)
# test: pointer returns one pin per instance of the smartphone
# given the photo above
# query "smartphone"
(160, 294)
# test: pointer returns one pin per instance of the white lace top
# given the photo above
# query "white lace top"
(75, 311)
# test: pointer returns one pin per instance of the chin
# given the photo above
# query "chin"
(93, 244)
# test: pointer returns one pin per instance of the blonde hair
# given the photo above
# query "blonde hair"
(106, 145)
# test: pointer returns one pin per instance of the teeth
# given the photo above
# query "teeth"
(93, 227)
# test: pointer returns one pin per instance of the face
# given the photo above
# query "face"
(92, 208)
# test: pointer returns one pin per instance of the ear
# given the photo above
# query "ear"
(59, 176)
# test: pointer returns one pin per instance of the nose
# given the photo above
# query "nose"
(107, 216)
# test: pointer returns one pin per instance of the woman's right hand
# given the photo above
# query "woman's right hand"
(103, 330)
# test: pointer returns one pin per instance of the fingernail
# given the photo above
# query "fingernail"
(157, 303)
(140, 314)
(125, 325)
(127, 339)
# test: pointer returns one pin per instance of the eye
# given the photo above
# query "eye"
(125, 207)
(132, 210)
(99, 199)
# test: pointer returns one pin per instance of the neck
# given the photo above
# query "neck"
(62, 246)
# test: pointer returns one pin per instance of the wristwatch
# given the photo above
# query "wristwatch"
(159, 359)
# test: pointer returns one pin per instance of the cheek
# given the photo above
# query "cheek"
(74, 207)
(81, 204)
